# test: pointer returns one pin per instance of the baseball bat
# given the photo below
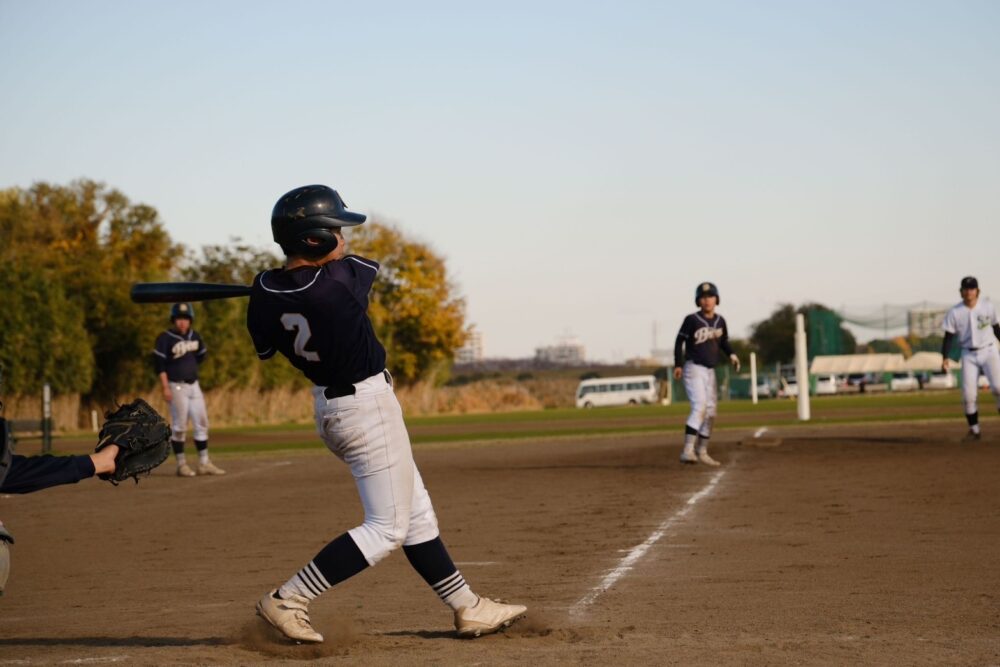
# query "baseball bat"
(174, 292)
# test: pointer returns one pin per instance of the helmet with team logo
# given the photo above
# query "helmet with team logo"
(179, 310)
(312, 212)
(706, 289)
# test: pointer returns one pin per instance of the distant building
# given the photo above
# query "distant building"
(472, 351)
(922, 322)
(567, 352)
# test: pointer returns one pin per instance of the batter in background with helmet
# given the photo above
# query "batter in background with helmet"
(696, 354)
(973, 322)
(178, 353)
(314, 311)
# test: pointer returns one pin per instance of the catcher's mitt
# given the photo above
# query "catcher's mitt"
(142, 437)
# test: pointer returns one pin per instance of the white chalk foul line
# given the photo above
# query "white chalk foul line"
(638, 552)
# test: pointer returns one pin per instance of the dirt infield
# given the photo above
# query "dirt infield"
(861, 544)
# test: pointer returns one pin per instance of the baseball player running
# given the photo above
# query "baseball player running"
(696, 354)
(974, 323)
(178, 353)
(314, 312)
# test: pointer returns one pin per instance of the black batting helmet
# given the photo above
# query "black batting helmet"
(310, 212)
(181, 310)
(706, 289)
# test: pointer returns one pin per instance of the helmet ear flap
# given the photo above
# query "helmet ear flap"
(326, 242)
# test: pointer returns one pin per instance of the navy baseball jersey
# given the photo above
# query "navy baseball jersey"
(700, 340)
(179, 355)
(318, 318)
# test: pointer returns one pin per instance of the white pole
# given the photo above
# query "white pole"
(802, 366)
(753, 377)
(93, 420)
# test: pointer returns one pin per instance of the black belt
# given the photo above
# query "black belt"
(981, 347)
(185, 381)
(339, 391)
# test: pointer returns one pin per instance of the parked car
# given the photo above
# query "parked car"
(789, 388)
(858, 382)
(905, 381)
(826, 385)
(940, 380)
(766, 388)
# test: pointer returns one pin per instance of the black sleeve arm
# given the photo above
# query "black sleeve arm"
(724, 343)
(159, 362)
(679, 351)
(946, 345)
(34, 473)
(199, 356)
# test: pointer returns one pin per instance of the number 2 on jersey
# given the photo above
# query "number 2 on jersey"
(300, 325)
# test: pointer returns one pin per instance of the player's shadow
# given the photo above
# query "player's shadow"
(106, 642)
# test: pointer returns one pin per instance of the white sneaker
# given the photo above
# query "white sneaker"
(688, 456)
(290, 616)
(486, 616)
(184, 470)
(706, 459)
(209, 468)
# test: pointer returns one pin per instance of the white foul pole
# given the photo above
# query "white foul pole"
(802, 367)
(753, 377)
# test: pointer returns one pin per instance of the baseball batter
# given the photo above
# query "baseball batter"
(314, 311)
(696, 354)
(178, 353)
(973, 323)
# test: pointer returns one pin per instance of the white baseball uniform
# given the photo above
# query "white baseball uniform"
(187, 401)
(973, 329)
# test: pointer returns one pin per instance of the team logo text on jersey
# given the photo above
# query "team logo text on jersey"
(706, 334)
(182, 347)
(983, 322)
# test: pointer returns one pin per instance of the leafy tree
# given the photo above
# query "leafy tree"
(42, 333)
(92, 243)
(414, 309)
(774, 338)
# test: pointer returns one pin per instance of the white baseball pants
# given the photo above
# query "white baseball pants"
(367, 432)
(986, 361)
(187, 401)
(702, 391)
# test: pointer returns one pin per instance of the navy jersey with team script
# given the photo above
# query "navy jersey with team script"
(700, 340)
(318, 318)
(179, 355)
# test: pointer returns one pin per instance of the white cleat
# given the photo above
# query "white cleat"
(210, 469)
(184, 470)
(687, 456)
(486, 617)
(290, 616)
(707, 460)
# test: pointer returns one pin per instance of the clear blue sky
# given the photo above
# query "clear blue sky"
(582, 167)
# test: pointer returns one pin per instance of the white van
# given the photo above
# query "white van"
(826, 385)
(630, 390)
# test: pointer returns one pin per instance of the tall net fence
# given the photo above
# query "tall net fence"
(919, 319)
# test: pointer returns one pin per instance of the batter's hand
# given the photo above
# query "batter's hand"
(735, 361)
(945, 364)
(678, 372)
(167, 395)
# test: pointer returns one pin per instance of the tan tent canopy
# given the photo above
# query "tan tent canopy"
(843, 364)
(924, 361)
